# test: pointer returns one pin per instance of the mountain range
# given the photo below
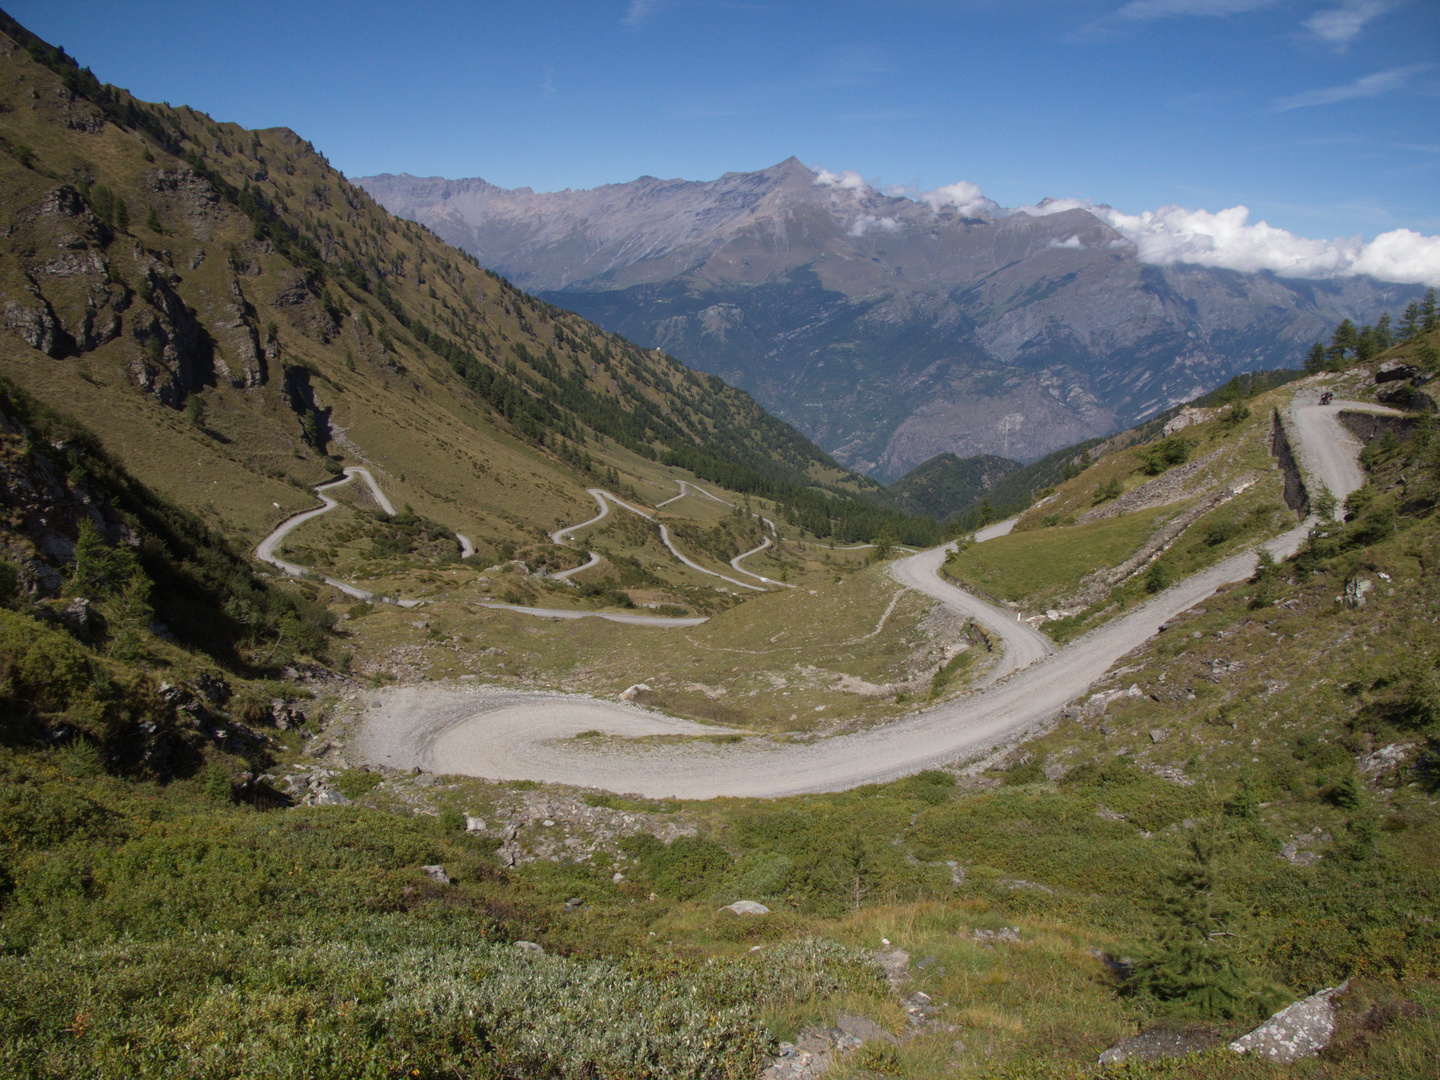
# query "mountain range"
(891, 329)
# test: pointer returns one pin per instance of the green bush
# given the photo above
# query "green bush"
(1157, 578)
(353, 783)
(46, 676)
(687, 867)
(1164, 454)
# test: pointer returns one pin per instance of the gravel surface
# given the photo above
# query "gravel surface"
(1327, 449)
(505, 735)
(1023, 644)
(265, 552)
(612, 616)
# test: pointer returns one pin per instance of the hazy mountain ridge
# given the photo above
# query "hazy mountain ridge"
(890, 329)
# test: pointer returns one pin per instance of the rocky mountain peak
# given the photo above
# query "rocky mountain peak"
(889, 328)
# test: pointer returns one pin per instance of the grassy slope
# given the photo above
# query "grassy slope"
(335, 276)
(1052, 549)
(292, 939)
(1015, 491)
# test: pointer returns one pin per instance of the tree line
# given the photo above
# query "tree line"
(1352, 345)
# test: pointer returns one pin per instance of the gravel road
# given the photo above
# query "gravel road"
(1023, 644)
(612, 616)
(1327, 448)
(508, 735)
(604, 499)
(265, 552)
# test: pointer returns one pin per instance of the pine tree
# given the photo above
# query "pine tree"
(1366, 344)
(1315, 360)
(1384, 336)
(1342, 342)
(1429, 317)
(1410, 321)
(1195, 967)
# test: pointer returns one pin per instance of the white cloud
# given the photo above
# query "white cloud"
(1175, 234)
(1046, 207)
(1401, 255)
(1161, 9)
(1382, 82)
(865, 222)
(849, 180)
(964, 196)
(1225, 238)
(1342, 25)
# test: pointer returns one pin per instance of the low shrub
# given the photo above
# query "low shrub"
(387, 1001)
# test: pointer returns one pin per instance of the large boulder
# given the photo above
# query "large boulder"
(1298, 1031)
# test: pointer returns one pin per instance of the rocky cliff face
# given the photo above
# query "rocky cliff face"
(890, 330)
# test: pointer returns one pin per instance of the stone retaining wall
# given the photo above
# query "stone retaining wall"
(1296, 497)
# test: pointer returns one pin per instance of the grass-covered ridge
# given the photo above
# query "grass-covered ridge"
(240, 305)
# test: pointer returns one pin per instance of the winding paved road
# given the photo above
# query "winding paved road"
(508, 735)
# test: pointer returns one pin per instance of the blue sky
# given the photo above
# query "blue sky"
(1320, 116)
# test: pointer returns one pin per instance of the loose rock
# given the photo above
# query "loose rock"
(746, 907)
(859, 1027)
(1005, 933)
(1298, 1031)
(1162, 1043)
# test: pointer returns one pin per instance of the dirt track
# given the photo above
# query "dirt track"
(513, 736)
(1327, 449)
(265, 551)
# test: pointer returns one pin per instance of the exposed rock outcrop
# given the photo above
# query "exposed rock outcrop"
(1299, 1031)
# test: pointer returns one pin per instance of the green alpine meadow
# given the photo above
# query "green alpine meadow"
(1033, 671)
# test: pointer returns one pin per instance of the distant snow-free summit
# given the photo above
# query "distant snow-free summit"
(891, 328)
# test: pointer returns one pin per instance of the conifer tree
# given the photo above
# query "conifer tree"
(1344, 340)
(1367, 344)
(1315, 359)
(1410, 321)
(1429, 316)
(1384, 336)
(1196, 966)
